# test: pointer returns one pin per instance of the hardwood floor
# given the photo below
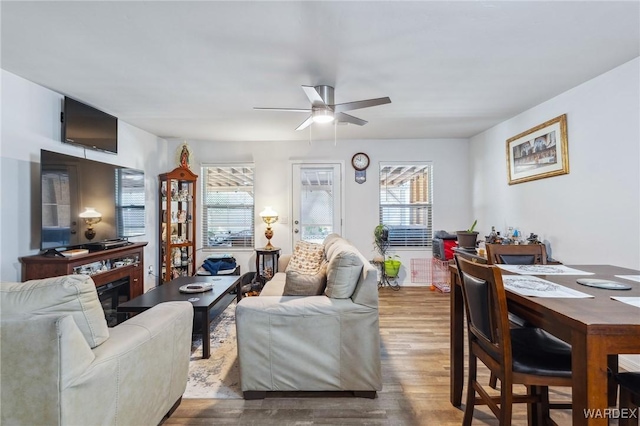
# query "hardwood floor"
(414, 326)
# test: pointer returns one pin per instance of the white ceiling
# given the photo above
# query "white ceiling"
(195, 70)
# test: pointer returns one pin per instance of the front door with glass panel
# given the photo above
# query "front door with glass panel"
(316, 200)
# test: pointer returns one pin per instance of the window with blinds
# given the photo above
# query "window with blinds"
(228, 206)
(130, 199)
(406, 203)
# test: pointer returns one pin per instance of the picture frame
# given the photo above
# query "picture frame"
(539, 153)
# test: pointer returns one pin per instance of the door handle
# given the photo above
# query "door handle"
(296, 222)
(296, 231)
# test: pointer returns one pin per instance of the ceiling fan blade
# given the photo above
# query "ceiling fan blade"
(342, 117)
(284, 109)
(349, 106)
(314, 96)
(306, 123)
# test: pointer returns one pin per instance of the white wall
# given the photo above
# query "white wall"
(591, 215)
(452, 208)
(31, 122)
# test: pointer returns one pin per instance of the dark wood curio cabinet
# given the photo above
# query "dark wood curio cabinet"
(177, 254)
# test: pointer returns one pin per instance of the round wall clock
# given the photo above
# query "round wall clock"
(360, 161)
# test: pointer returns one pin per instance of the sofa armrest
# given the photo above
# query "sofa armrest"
(283, 261)
(141, 370)
(133, 378)
(40, 354)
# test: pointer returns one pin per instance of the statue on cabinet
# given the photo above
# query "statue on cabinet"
(184, 156)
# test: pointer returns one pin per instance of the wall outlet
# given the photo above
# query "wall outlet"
(150, 270)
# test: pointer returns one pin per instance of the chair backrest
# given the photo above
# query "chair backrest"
(510, 254)
(485, 303)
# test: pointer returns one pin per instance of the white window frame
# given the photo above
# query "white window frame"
(224, 242)
(420, 236)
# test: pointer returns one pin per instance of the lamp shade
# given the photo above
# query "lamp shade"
(90, 213)
(269, 215)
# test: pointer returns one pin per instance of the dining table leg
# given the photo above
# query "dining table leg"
(456, 337)
(589, 361)
(612, 386)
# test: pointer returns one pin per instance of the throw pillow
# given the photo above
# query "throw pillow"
(301, 284)
(343, 273)
(306, 258)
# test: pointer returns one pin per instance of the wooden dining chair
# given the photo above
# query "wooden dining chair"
(511, 254)
(525, 355)
(629, 398)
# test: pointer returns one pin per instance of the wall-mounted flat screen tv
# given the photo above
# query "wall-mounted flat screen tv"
(71, 184)
(89, 127)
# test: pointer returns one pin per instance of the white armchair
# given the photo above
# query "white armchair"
(61, 365)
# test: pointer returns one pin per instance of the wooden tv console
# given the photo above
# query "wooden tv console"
(120, 262)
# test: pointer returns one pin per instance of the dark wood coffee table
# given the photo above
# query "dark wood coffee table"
(169, 292)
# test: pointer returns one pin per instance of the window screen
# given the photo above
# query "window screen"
(228, 206)
(317, 202)
(406, 203)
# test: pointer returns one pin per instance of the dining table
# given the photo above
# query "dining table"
(598, 328)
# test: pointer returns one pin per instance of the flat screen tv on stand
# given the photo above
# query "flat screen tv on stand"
(72, 186)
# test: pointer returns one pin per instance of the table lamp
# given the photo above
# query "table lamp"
(91, 217)
(269, 216)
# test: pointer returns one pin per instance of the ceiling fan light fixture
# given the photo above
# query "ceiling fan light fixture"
(322, 116)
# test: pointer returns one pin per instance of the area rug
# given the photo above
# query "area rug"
(219, 376)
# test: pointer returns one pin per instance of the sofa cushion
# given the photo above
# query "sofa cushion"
(302, 284)
(343, 270)
(306, 258)
(71, 294)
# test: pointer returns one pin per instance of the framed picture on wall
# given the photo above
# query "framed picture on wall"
(539, 153)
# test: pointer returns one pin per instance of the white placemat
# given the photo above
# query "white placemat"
(527, 285)
(543, 270)
(633, 301)
(635, 278)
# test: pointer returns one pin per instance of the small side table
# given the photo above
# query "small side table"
(266, 263)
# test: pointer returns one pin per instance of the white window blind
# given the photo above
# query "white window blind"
(406, 203)
(228, 206)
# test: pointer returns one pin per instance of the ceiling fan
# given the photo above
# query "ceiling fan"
(323, 110)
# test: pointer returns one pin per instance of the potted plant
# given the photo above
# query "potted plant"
(381, 241)
(467, 239)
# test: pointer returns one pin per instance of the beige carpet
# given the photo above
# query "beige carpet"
(217, 377)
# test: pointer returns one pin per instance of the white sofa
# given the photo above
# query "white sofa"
(313, 343)
(61, 365)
